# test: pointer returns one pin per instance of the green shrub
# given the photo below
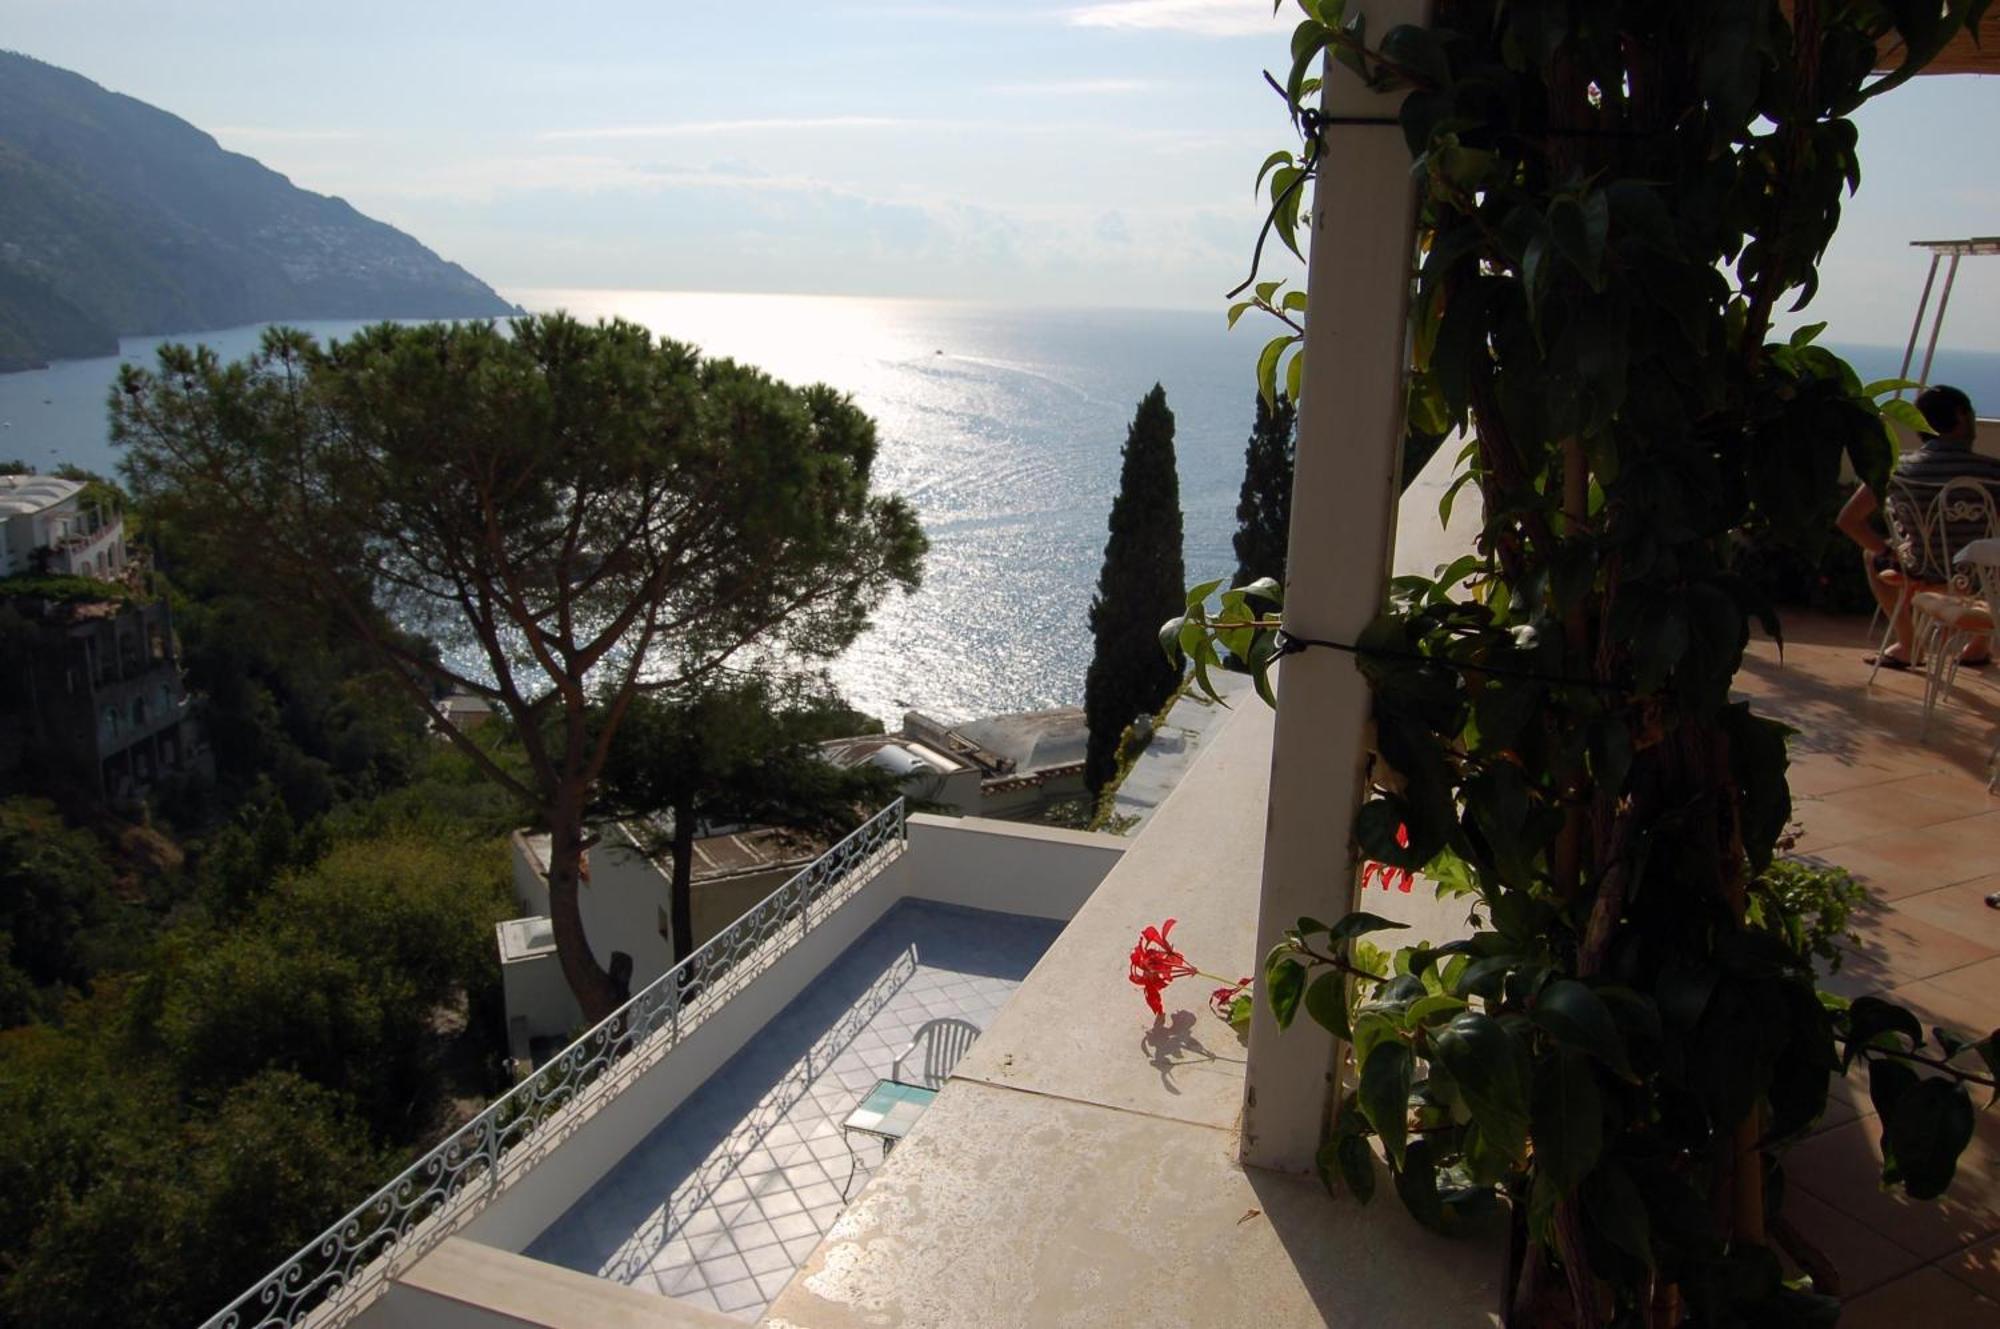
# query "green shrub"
(1806, 905)
(64, 590)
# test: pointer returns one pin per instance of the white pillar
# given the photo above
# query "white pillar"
(1344, 493)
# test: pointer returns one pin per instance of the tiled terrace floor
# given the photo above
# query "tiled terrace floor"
(727, 1196)
(1915, 823)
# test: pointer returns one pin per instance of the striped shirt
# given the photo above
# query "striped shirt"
(1923, 473)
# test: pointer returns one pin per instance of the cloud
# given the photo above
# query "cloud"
(1071, 87)
(1207, 18)
(715, 128)
(484, 178)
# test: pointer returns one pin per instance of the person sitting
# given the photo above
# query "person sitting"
(1944, 456)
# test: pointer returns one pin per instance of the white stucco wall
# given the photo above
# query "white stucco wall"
(622, 903)
(463, 1285)
(537, 994)
(1009, 867)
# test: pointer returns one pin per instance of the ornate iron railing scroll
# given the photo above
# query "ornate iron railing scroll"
(338, 1273)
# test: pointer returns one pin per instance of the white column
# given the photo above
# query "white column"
(1343, 530)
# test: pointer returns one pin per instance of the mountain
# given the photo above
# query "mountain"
(117, 218)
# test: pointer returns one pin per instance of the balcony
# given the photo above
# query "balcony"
(727, 1196)
(671, 1146)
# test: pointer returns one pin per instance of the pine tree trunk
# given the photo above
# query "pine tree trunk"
(682, 891)
(587, 979)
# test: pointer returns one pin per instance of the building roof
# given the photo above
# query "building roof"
(1968, 53)
(1975, 245)
(23, 494)
(898, 754)
(1033, 740)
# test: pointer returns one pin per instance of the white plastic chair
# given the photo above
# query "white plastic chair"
(943, 1042)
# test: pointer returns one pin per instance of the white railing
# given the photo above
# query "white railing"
(342, 1270)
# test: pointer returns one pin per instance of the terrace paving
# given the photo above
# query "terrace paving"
(723, 1201)
(1915, 823)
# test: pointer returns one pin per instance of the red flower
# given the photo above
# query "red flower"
(1399, 878)
(1155, 963)
(1222, 999)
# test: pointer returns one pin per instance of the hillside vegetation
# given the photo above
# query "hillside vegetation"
(118, 219)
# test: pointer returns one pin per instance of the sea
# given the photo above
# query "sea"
(1002, 425)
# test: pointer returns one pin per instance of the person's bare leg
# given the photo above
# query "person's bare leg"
(1904, 648)
(1886, 595)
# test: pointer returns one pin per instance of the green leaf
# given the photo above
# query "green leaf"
(1384, 1094)
(1615, 1211)
(1419, 51)
(1282, 157)
(1417, 1186)
(1575, 1016)
(1170, 639)
(1201, 590)
(1264, 588)
(1568, 1119)
(1869, 1018)
(1988, 1049)
(1326, 1003)
(1428, 1010)
(1929, 1128)
(1888, 1081)
(1481, 1058)
(1348, 1157)
(1358, 924)
(1357, 1166)
(1907, 415)
(1371, 1027)
(1284, 984)
(1267, 368)
(1236, 310)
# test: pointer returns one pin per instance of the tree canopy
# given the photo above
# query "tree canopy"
(1264, 505)
(1139, 588)
(575, 515)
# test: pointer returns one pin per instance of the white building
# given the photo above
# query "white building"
(45, 513)
(627, 904)
(1004, 766)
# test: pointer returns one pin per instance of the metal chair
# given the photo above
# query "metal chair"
(942, 1042)
(1917, 538)
(1950, 619)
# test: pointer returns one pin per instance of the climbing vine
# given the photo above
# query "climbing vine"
(1616, 201)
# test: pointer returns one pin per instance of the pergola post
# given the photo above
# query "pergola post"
(1345, 490)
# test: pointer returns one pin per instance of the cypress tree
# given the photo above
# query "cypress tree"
(1141, 586)
(1264, 508)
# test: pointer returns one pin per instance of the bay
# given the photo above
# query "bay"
(1001, 424)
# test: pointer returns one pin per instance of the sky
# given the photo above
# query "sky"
(1046, 152)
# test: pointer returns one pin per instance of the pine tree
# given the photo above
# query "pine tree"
(1264, 508)
(1141, 586)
